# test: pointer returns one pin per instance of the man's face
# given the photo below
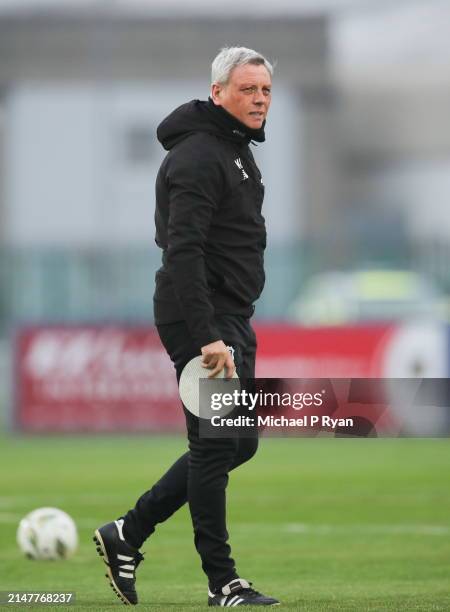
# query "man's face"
(247, 95)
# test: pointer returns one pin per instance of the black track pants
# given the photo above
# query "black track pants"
(200, 476)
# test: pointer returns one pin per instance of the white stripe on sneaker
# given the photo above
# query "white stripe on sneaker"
(236, 603)
(124, 558)
(127, 567)
(231, 601)
(222, 601)
(126, 575)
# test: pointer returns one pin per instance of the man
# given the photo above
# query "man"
(209, 194)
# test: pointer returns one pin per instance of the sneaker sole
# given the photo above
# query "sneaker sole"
(213, 605)
(267, 606)
(101, 550)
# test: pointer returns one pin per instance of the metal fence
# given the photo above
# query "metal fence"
(93, 285)
(55, 285)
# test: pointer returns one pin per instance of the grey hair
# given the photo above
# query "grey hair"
(230, 57)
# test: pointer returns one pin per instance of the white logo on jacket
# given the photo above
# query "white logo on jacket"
(238, 163)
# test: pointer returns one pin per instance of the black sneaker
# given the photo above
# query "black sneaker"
(238, 592)
(121, 560)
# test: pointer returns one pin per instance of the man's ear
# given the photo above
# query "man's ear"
(216, 91)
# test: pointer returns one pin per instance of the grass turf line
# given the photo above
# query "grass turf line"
(291, 512)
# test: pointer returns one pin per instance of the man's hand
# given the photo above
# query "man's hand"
(216, 356)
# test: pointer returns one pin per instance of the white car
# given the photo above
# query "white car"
(338, 298)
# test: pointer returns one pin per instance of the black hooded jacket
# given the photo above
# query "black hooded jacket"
(209, 194)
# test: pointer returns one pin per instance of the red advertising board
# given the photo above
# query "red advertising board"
(118, 378)
(95, 379)
(287, 351)
(336, 353)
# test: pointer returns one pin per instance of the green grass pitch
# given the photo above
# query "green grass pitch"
(324, 524)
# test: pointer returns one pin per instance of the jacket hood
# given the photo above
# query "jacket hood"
(204, 116)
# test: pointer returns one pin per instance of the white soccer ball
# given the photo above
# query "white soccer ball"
(47, 533)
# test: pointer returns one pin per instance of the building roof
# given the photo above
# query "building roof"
(181, 8)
